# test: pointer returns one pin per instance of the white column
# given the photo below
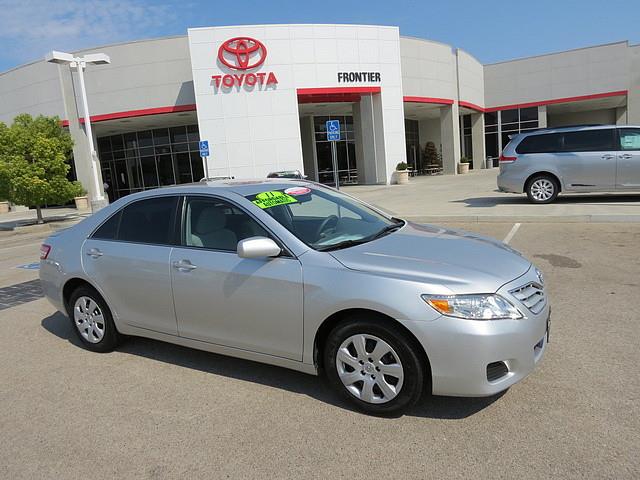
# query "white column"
(542, 116)
(477, 139)
(450, 138)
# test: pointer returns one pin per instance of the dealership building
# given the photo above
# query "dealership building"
(261, 96)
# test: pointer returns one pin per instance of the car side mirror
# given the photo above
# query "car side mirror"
(258, 247)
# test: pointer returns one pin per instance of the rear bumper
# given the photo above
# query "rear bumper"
(52, 281)
(510, 183)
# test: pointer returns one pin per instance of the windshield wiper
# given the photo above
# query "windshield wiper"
(360, 241)
(343, 244)
(387, 229)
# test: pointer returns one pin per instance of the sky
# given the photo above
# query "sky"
(491, 31)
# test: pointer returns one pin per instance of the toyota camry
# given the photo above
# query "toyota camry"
(295, 274)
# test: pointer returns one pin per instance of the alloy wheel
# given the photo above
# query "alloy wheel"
(89, 319)
(542, 189)
(369, 368)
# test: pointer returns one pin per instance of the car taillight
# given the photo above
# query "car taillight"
(44, 251)
(505, 159)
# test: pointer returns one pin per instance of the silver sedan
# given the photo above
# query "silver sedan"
(298, 275)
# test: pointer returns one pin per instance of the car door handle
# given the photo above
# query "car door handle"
(94, 253)
(607, 156)
(626, 156)
(184, 265)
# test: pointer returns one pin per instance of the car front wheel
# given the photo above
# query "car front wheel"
(373, 366)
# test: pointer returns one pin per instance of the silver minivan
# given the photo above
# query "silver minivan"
(543, 163)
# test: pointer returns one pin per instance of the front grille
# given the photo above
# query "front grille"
(496, 370)
(532, 296)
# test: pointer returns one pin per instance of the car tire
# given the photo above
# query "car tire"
(542, 189)
(92, 321)
(361, 379)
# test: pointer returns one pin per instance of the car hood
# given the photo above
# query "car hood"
(452, 261)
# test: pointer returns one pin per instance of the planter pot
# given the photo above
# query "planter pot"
(463, 168)
(4, 207)
(82, 203)
(402, 177)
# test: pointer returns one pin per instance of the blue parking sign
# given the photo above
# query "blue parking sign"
(333, 130)
(204, 148)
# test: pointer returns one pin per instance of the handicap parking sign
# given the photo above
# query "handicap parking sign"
(333, 130)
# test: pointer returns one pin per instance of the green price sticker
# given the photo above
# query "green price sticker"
(273, 199)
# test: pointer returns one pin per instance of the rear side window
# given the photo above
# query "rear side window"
(629, 138)
(149, 221)
(145, 221)
(544, 143)
(588, 141)
(109, 229)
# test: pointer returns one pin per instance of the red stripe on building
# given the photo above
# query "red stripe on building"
(472, 106)
(137, 113)
(580, 98)
(441, 101)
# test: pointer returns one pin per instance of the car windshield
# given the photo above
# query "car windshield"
(324, 219)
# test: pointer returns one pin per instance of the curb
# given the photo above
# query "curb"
(595, 218)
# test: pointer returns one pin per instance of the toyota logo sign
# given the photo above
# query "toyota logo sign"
(242, 53)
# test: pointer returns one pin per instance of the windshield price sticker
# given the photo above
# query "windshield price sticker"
(273, 199)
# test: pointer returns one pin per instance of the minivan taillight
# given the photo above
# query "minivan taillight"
(44, 251)
(504, 159)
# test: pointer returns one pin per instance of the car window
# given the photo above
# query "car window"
(588, 141)
(629, 138)
(543, 143)
(216, 224)
(323, 218)
(149, 221)
(109, 229)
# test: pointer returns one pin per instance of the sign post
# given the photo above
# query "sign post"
(333, 135)
(204, 154)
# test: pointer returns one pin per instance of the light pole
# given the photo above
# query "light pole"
(80, 63)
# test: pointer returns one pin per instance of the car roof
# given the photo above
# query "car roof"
(242, 187)
(575, 128)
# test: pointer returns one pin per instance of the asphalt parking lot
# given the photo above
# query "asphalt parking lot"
(154, 410)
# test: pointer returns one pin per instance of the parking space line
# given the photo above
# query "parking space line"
(511, 233)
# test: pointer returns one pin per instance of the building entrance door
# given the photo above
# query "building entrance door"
(345, 149)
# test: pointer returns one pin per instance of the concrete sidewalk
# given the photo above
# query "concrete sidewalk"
(10, 221)
(474, 198)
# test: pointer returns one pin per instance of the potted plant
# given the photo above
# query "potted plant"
(402, 174)
(4, 206)
(82, 201)
(463, 166)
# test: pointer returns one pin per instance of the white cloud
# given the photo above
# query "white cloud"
(30, 28)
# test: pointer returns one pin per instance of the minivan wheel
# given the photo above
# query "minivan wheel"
(373, 366)
(92, 320)
(542, 189)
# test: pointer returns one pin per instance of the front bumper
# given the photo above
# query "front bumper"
(460, 350)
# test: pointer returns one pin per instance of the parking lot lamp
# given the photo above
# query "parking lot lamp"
(80, 63)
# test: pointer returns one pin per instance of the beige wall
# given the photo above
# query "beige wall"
(607, 116)
(428, 69)
(471, 78)
(579, 72)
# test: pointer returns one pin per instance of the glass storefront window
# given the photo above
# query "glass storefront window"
(345, 149)
(136, 161)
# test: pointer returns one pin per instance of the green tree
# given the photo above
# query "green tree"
(34, 154)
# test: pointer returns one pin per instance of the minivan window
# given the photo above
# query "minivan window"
(588, 141)
(629, 138)
(543, 143)
(149, 221)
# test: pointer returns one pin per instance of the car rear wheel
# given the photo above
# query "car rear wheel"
(542, 189)
(373, 366)
(92, 320)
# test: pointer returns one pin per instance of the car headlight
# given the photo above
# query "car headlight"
(474, 307)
